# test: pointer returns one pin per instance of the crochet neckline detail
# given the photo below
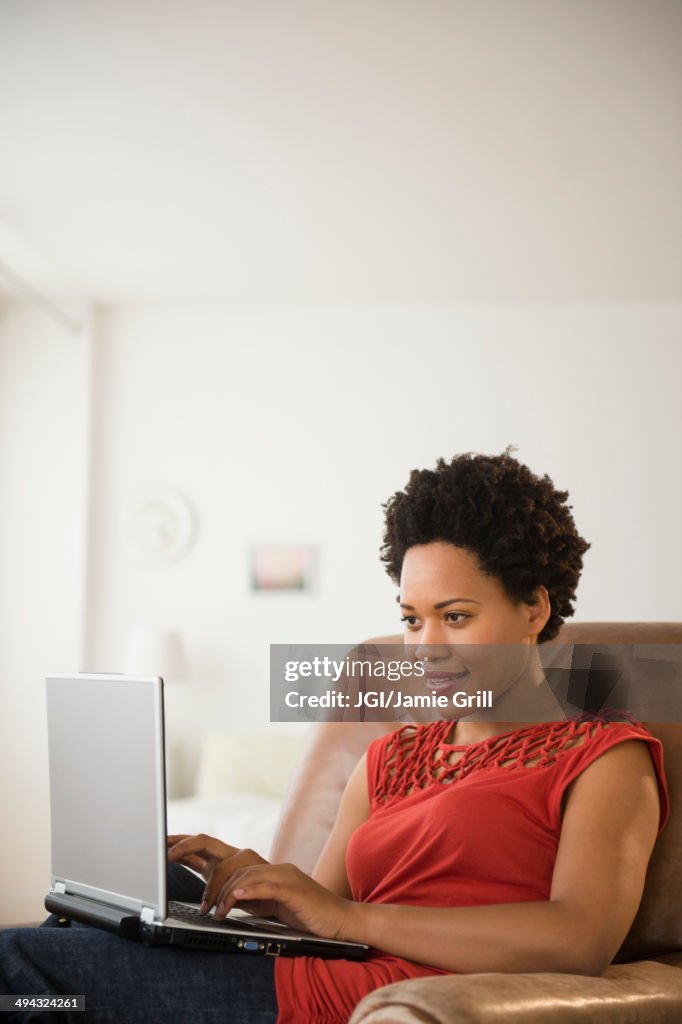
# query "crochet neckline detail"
(582, 718)
(416, 756)
(489, 739)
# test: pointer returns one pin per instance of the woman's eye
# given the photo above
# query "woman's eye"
(409, 619)
(456, 617)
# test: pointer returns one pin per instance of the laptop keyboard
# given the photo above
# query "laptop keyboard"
(191, 915)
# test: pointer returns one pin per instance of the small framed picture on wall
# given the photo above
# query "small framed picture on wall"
(282, 567)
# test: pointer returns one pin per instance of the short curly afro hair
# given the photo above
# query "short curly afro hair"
(516, 523)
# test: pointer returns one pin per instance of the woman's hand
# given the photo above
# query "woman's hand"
(242, 877)
(216, 862)
(298, 900)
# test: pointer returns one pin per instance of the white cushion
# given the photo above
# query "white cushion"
(258, 762)
(242, 820)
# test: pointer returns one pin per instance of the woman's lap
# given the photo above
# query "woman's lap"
(127, 981)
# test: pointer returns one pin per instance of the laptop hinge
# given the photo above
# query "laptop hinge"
(59, 887)
(147, 915)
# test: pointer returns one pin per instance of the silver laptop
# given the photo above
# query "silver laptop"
(108, 812)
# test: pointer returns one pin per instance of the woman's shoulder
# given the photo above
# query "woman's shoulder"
(608, 716)
(606, 726)
(589, 736)
(581, 737)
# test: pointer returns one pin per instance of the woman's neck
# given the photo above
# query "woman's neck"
(528, 701)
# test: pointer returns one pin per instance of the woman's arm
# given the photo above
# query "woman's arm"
(330, 870)
(608, 832)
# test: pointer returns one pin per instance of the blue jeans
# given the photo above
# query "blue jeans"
(126, 982)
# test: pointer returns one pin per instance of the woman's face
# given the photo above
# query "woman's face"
(451, 609)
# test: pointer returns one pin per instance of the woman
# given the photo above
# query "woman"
(465, 846)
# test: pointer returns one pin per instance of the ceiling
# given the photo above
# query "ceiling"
(380, 151)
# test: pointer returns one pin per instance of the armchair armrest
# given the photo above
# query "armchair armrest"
(330, 754)
(626, 994)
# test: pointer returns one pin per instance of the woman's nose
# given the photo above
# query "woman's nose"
(431, 644)
(432, 652)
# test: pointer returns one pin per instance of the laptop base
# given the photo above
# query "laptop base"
(249, 943)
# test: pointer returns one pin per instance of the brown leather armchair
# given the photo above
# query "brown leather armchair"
(643, 984)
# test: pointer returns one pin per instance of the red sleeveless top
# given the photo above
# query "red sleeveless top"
(483, 829)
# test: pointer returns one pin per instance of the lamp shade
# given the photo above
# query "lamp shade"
(156, 652)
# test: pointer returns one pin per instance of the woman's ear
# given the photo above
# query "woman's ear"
(539, 610)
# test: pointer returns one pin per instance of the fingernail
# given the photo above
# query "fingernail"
(221, 908)
(204, 907)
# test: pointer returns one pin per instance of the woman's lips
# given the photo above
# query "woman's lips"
(441, 681)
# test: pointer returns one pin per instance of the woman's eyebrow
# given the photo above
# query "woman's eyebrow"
(443, 604)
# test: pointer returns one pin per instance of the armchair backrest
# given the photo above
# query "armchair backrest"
(333, 749)
(657, 927)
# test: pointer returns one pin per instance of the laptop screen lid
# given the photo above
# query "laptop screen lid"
(107, 789)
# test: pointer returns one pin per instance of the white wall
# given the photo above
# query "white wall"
(434, 150)
(44, 408)
(296, 423)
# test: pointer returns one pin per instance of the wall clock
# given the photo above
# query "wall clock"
(160, 525)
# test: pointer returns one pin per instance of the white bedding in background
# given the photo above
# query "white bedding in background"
(240, 819)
